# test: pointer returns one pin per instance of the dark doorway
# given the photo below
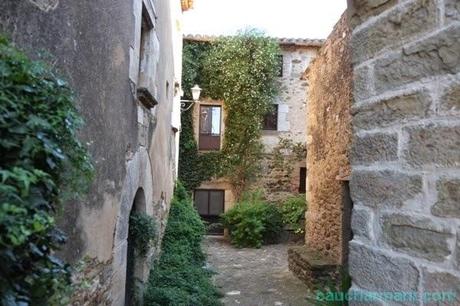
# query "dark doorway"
(303, 180)
(130, 285)
(210, 204)
(347, 207)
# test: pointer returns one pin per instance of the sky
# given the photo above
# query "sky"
(278, 18)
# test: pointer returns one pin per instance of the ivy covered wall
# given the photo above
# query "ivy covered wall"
(241, 70)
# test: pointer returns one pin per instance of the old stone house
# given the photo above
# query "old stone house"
(123, 61)
(397, 104)
(285, 122)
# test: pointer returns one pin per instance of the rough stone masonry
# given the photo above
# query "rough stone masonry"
(405, 159)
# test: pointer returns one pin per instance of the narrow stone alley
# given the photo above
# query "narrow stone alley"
(254, 277)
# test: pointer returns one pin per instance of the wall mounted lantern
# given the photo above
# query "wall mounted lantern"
(196, 91)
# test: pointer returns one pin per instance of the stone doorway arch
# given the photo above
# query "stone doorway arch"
(138, 177)
(132, 259)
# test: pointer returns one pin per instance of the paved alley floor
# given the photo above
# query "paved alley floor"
(254, 277)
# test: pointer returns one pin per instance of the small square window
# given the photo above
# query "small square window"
(271, 119)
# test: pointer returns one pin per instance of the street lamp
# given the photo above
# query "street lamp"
(196, 91)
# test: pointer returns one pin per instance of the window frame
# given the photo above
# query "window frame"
(202, 136)
(265, 127)
(208, 191)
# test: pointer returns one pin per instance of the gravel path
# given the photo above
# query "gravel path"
(254, 277)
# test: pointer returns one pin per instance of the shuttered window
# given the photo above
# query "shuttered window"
(209, 202)
(271, 119)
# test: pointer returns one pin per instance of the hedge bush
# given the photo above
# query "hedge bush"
(179, 277)
(293, 211)
(42, 164)
(252, 222)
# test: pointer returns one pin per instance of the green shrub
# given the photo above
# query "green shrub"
(293, 211)
(142, 230)
(42, 164)
(252, 222)
(179, 277)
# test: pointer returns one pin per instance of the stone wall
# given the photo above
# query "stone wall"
(279, 184)
(96, 46)
(406, 147)
(328, 140)
(292, 98)
(279, 181)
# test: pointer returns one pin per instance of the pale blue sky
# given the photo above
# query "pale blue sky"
(279, 18)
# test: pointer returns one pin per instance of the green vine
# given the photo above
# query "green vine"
(242, 71)
(286, 153)
(195, 167)
(142, 231)
(42, 165)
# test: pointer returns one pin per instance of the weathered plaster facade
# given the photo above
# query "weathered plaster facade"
(406, 149)
(112, 53)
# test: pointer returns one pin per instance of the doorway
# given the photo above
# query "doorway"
(132, 279)
(210, 204)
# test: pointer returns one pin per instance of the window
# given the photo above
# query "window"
(145, 47)
(209, 202)
(146, 64)
(271, 119)
(303, 180)
(210, 119)
(280, 65)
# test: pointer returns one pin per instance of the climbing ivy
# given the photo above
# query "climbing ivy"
(142, 231)
(42, 164)
(193, 57)
(194, 167)
(286, 154)
(242, 71)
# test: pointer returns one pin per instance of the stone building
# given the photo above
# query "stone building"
(405, 159)
(123, 61)
(328, 119)
(404, 154)
(286, 121)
